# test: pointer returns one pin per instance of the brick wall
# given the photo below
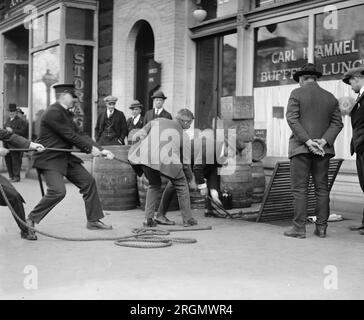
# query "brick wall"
(105, 54)
(173, 48)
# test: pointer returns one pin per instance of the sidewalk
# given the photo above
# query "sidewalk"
(235, 260)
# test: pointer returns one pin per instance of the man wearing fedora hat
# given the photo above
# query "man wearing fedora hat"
(355, 78)
(158, 111)
(19, 126)
(111, 128)
(314, 117)
(135, 122)
(58, 130)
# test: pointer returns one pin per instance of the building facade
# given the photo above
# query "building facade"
(215, 57)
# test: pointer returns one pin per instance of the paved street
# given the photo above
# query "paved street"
(235, 260)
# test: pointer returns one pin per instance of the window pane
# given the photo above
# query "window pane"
(45, 74)
(219, 8)
(229, 65)
(281, 49)
(79, 24)
(54, 25)
(38, 31)
(339, 46)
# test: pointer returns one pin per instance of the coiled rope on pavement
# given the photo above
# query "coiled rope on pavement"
(140, 237)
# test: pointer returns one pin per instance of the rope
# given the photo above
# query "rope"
(140, 237)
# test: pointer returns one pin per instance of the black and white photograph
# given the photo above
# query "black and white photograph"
(181, 156)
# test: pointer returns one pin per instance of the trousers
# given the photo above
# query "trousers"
(301, 167)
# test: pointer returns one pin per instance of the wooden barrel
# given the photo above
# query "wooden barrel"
(142, 191)
(258, 181)
(116, 181)
(240, 185)
(259, 149)
(197, 200)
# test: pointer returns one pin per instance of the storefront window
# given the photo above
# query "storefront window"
(53, 25)
(339, 46)
(38, 32)
(45, 73)
(80, 24)
(229, 65)
(219, 8)
(281, 49)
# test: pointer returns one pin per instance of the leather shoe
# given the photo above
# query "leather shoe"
(97, 225)
(149, 223)
(30, 232)
(164, 220)
(17, 179)
(320, 231)
(357, 227)
(296, 233)
(361, 231)
(28, 236)
(190, 222)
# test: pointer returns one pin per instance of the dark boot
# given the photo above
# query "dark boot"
(295, 232)
(320, 231)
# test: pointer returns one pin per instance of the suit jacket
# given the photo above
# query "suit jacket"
(19, 126)
(118, 124)
(58, 130)
(312, 113)
(171, 158)
(131, 126)
(150, 115)
(357, 123)
(15, 141)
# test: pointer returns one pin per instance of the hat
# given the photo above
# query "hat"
(110, 99)
(159, 94)
(65, 88)
(354, 72)
(308, 68)
(20, 110)
(12, 107)
(136, 104)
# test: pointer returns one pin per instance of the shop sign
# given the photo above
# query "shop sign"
(10, 4)
(276, 66)
(79, 72)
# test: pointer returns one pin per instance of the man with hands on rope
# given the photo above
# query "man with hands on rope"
(14, 197)
(58, 130)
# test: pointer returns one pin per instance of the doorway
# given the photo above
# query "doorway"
(144, 52)
(215, 76)
(16, 69)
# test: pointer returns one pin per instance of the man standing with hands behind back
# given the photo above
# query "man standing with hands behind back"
(355, 78)
(315, 120)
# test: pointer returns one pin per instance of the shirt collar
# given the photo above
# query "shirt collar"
(136, 119)
(158, 111)
(361, 91)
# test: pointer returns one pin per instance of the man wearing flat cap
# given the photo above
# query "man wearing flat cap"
(111, 127)
(315, 120)
(158, 111)
(135, 122)
(58, 130)
(355, 78)
(19, 126)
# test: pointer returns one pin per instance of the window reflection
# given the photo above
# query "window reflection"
(281, 49)
(38, 31)
(44, 75)
(339, 46)
(80, 24)
(229, 65)
(54, 25)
